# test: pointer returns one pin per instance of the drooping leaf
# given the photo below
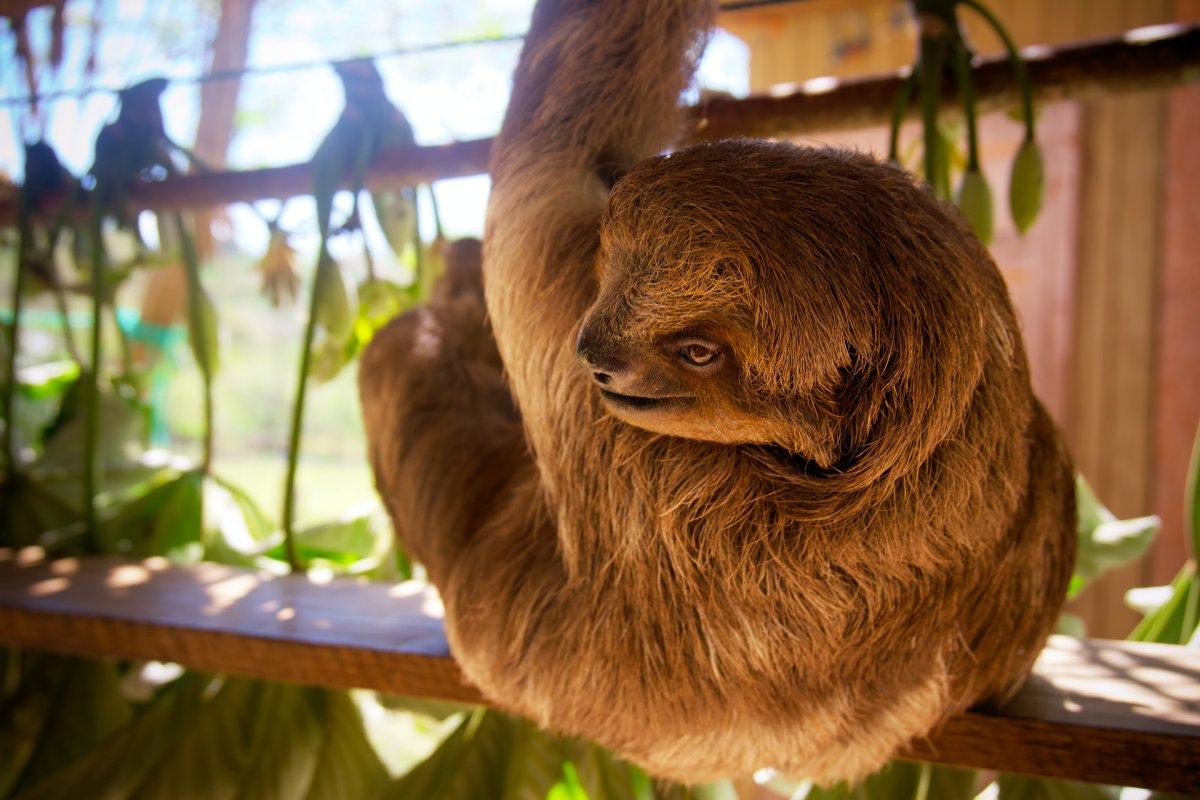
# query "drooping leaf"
(280, 279)
(335, 312)
(202, 332)
(1027, 186)
(975, 200)
(396, 212)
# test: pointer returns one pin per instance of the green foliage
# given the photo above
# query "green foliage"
(899, 780)
(219, 738)
(1105, 542)
(492, 756)
(942, 42)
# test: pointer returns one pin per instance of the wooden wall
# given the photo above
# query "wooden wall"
(1108, 281)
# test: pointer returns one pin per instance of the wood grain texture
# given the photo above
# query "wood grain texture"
(1078, 71)
(1113, 712)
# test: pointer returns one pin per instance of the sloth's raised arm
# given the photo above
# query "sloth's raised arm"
(596, 90)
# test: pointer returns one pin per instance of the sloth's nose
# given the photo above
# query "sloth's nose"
(599, 358)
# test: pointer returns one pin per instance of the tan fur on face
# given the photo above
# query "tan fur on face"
(894, 552)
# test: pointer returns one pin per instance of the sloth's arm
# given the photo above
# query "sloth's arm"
(444, 438)
(596, 90)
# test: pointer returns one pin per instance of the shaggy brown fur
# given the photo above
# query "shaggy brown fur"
(856, 521)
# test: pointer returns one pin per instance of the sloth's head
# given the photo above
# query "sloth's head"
(815, 300)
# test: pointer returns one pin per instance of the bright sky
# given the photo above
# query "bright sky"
(453, 94)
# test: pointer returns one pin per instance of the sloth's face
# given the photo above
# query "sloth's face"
(679, 383)
(667, 365)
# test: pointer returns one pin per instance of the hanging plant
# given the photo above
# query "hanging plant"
(943, 53)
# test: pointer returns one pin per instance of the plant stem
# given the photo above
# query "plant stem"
(91, 444)
(962, 68)
(923, 781)
(903, 98)
(198, 325)
(12, 459)
(1014, 57)
(294, 436)
(60, 300)
(123, 341)
(421, 265)
(438, 231)
(932, 55)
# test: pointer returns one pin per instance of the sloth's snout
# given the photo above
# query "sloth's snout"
(599, 357)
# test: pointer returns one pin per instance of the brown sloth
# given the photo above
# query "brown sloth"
(755, 476)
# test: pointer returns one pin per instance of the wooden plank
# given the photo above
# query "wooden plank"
(1163, 57)
(1114, 712)
(345, 634)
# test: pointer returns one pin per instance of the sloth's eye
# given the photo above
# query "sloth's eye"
(698, 354)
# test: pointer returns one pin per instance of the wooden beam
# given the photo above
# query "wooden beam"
(1113, 712)
(1138, 60)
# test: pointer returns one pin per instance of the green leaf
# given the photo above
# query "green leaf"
(1027, 186)
(347, 766)
(470, 764)
(88, 708)
(330, 356)
(1105, 542)
(124, 424)
(1069, 624)
(568, 788)
(379, 301)
(202, 332)
(47, 381)
(1175, 621)
(236, 529)
(229, 739)
(490, 755)
(164, 520)
(24, 716)
(1191, 500)
(975, 200)
(397, 215)
(334, 307)
(114, 769)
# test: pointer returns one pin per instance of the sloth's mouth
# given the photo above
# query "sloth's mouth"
(641, 403)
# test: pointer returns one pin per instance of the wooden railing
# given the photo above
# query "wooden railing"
(1111, 712)
(1141, 59)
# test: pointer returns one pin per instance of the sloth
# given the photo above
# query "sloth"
(729, 459)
